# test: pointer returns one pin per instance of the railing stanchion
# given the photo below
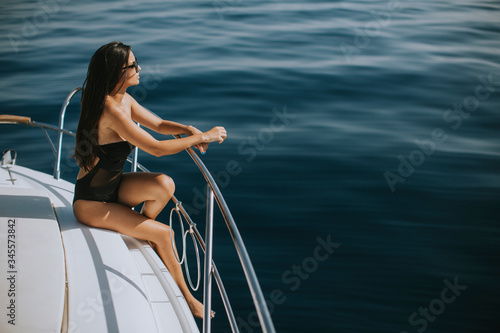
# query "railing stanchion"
(207, 291)
(133, 167)
(62, 114)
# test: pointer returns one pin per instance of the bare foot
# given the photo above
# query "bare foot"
(197, 308)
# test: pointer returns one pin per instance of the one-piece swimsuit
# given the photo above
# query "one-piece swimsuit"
(103, 181)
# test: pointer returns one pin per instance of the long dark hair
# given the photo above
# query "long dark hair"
(104, 73)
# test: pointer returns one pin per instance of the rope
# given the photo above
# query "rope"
(184, 259)
(179, 261)
(186, 268)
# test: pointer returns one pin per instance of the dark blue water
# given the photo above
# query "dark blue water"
(371, 126)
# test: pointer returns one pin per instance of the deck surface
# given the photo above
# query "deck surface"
(111, 285)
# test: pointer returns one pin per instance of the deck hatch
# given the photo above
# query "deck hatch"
(35, 207)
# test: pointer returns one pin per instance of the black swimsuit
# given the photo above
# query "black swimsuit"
(103, 181)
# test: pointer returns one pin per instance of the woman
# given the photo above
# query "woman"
(106, 135)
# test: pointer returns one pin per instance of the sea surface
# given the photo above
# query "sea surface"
(363, 158)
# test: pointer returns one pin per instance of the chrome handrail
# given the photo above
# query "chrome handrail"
(213, 192)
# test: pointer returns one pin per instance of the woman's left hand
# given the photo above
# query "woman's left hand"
(202, 147)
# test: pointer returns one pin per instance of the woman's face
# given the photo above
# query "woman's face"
(132, 75)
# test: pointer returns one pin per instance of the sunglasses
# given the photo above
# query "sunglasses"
(135, 65)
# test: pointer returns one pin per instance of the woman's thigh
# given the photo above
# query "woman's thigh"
(137, 187)
(120, 218)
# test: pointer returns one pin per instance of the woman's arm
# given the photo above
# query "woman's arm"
(127, 129)
(145, 117)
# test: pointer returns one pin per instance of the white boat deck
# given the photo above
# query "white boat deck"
(74, 278)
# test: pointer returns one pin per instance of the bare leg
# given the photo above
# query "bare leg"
(155, 190)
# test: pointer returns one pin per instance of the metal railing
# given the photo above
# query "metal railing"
(62, 114)
(213, 194)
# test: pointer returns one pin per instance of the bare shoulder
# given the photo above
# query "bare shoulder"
(112, 119)
(130, 101)
(111, 108)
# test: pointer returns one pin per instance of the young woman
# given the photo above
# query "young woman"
(107, 133)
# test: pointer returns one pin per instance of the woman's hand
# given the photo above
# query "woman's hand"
(202, 147)
(217, 133)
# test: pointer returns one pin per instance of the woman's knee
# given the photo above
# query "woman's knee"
(165, 184)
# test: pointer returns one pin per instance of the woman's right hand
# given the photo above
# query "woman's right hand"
(218, 133)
